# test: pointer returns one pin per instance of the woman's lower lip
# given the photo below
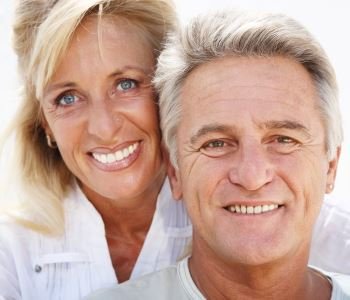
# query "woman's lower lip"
(118, 165)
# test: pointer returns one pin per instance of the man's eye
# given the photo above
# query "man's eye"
(284, 144)
(285, 140)
(218, 148)
(215, 144)
(67, 99)
(126, 84)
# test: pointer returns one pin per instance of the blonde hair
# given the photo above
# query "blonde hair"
(42, 32)
(243, 34)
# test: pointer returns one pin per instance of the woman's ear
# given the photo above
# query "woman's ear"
(175, 181)
(332, 171)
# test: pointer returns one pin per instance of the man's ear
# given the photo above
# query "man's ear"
(332, 171)
(175, 181)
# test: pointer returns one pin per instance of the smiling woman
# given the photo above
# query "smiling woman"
(94, 206)
(96, 117)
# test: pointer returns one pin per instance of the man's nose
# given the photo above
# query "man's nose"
(252, 169)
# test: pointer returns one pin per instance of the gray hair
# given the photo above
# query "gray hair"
(237, 33)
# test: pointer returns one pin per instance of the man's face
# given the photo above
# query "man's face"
(253, 167)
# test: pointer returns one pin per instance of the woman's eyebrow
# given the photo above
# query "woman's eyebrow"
(131, 68)
(70, 84)
(60, 85)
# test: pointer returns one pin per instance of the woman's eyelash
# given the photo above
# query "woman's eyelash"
(126, 84)
(65, 99)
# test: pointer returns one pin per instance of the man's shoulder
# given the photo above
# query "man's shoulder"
(163, 284)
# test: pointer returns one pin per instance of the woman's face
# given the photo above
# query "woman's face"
(100, 109)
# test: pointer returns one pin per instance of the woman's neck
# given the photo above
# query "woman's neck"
(126, 226)
(130, 216)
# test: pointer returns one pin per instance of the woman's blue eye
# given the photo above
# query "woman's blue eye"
(66, 100)
(126, 84)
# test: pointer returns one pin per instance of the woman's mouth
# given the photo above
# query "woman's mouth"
(119, 155)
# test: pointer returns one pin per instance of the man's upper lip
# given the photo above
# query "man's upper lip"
(112, 149)
(251, 203)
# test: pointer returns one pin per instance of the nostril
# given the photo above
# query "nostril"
(251, 176)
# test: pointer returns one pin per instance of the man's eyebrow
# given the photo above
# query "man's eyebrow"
(210, 128)
(286, 124)
(225, 129)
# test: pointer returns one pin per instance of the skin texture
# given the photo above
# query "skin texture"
(250, 134)
(100, 100)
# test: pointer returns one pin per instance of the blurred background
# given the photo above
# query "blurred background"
(327, 20)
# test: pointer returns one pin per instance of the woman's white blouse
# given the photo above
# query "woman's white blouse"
(34, 266)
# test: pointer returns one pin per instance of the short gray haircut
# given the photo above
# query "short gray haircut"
(243, 34)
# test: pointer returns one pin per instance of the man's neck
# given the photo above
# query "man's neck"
(285, 279)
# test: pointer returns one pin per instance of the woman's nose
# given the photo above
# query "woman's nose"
(104, 122)
(252, 169)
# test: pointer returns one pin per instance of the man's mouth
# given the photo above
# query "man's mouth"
(252, 210)
(110, 158)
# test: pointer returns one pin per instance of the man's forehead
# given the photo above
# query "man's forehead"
(272, 93)
(233, 83)
(247, 71)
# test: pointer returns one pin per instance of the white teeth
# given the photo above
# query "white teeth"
(119, 155)
(104, 158)
(232, 208)
(249, 210)
(126, 152)
(265, 208)
(271, 206)
(116, 156)
(110, 158)
(257, 209)
(238, 208)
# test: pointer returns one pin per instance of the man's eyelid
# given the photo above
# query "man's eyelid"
(205, 139)
(211, 132)
(298, 134)
(226, 144)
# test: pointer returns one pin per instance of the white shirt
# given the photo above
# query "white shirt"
(330, 247)
(176, 283)
(34, 266)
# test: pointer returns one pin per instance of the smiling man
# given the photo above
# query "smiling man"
(249, 113)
